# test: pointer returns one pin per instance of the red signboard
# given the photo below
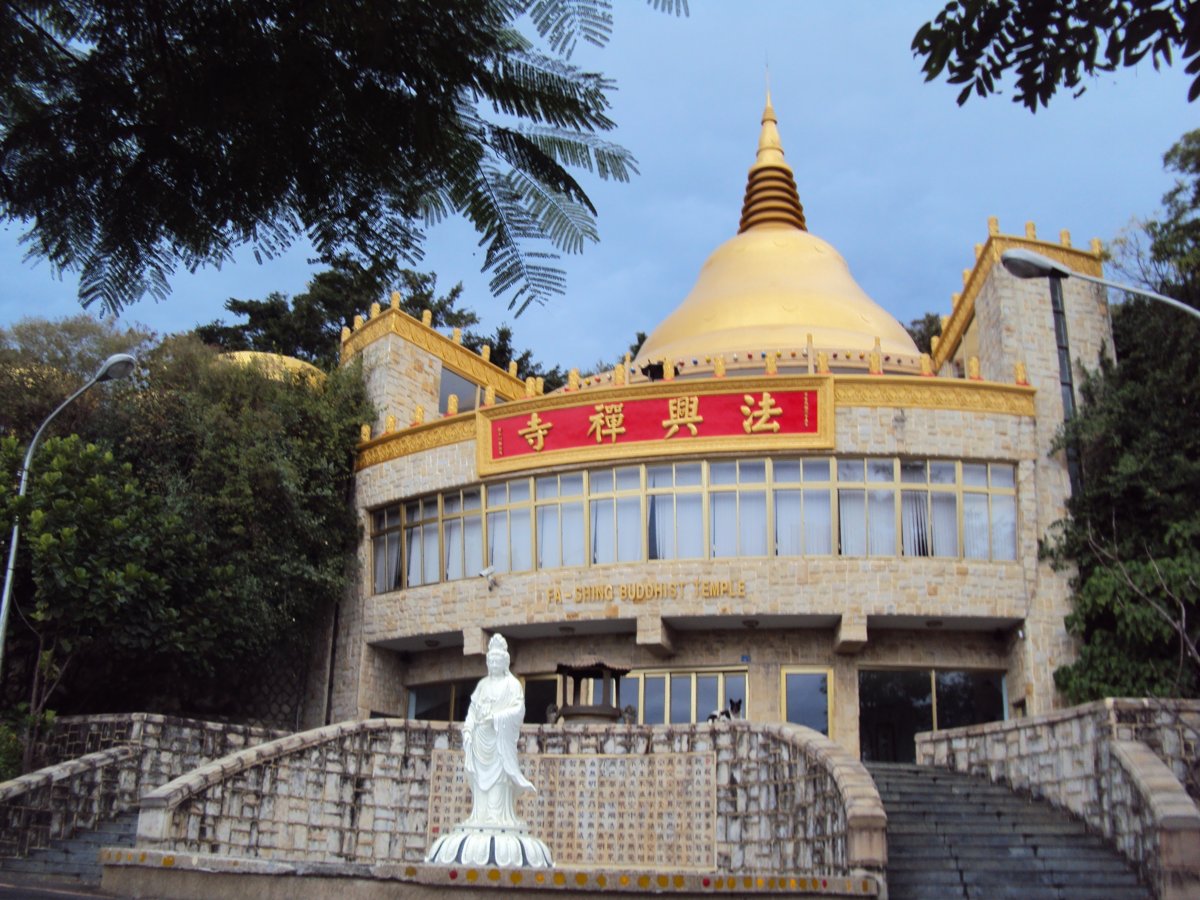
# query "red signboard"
(676, 419)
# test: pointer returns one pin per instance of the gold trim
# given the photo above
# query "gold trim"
(1083, 261)
(415, 440)
(457, 357)
(934, 393)
(833, 392)
(822, 439)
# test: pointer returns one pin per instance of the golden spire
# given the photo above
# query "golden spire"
(771, 195)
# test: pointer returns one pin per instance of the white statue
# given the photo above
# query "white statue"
(492, 834)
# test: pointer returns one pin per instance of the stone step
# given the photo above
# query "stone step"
(74, 860)
(953, 835)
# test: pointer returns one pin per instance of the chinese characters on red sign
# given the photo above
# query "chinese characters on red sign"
(675, 418)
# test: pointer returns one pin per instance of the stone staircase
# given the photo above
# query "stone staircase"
(75, 860)
(952, 835)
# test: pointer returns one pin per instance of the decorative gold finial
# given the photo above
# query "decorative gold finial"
(719, 366)
(1064, 237)
(771, 196)
(966, 278)
(452, 405)
(389, 424)
(345, 334)
(927, 364)
(374, 310)
(934, 341)
(364, 433)
(1022, 376)
(993, 225)
(427, 318)
(978, 251)
(539, 385)
(772, 364)
(822, 362)
(875, 359)
(573, 380)
(954, 298)
(512, 368)
(486, 352)
(456, 335)
(809, 354)
(668, 370)
(530, 386)
(358, 322)
(1031, 231)
(395, 299)
(1097, 247)
(489, 395)
(973, 369)
(419, 415)
(618, 375)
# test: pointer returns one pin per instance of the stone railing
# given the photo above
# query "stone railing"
(1123, 766)
(787, 798)
(100, 766)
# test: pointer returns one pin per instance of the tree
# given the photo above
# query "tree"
(1134, 530)
(42, 362)
(924, 330)
(136, 138)
(89, 535)
(232, 491)
(309, 326)
(1054, 43)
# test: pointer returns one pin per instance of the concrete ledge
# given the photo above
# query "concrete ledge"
(171, 876)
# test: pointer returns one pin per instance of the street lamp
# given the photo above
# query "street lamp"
(119, 365)
(1027, 264)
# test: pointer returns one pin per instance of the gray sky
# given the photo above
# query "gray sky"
(890, 171)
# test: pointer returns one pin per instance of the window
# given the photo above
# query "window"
(896, 704)
(385, 548)
(468, 392)
(444, 702)
(676, 696)
(421, 559)
(806, 697)
(721, 509)
(462, 533)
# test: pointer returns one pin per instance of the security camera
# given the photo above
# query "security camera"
(490, 574)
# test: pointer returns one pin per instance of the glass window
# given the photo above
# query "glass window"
(655, 699)
(452, 383)
(969, 698)
(806, 699)
(722, 525)
(852, 523)
(541, 694)
(893, 706)
(681, 698)
(708, 697)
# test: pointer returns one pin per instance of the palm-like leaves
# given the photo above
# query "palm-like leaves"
(135, 139)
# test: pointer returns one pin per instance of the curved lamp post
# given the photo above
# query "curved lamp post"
(119, 365)
(1027, 264)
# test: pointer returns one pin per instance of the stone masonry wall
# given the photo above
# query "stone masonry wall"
(1126, 767)
(788, 799)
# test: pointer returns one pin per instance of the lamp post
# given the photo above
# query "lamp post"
(119, 365)
(1027, 264)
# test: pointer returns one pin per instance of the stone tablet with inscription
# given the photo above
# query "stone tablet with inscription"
(644, 812)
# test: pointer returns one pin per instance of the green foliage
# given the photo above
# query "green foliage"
(924, 330)
(42, 362)
(1054, 43)
(309, 326)
(137, 137)
(1134, 530)
(207, 527)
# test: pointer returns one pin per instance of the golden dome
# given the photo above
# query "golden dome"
(774, 284)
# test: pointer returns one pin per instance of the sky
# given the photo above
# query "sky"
(890, 170)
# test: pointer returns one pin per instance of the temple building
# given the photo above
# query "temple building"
(779, 508)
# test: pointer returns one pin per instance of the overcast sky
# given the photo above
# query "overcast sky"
(890, 170)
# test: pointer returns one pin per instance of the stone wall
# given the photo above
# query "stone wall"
(96, 767)
(788, 799)
(1126, 767)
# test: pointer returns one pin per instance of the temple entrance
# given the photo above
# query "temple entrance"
(894, 705)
